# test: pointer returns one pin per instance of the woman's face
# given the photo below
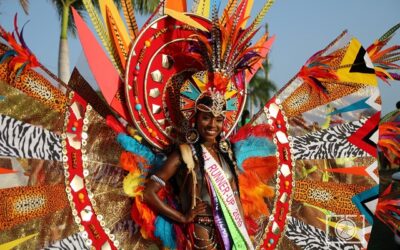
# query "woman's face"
(208, 126)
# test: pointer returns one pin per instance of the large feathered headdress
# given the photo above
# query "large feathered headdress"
(173, 61)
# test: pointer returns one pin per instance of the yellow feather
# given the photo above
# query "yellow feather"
(117, 18)
(12, 244)
(247, 12)
(261, 15)
(132, 182)
(203, 8)
(229, 8)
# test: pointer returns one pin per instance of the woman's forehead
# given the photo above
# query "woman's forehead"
(202, 113)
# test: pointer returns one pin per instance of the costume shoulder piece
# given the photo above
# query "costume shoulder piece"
(312, 151)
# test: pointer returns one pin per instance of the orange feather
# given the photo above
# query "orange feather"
(264, 167)
(252, 194)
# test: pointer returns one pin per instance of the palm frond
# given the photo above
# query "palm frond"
(145, 6)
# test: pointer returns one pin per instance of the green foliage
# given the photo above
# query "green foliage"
(261, 88)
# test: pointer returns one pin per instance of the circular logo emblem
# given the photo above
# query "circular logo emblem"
(345, 229)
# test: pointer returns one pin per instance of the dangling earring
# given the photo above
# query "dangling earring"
(224, 144)
(192, 136)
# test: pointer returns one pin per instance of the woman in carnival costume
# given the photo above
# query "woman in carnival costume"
(180, 81)
(208, 182)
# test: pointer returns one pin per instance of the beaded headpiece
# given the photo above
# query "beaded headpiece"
(217, 107)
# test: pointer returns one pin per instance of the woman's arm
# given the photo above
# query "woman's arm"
(152, 187)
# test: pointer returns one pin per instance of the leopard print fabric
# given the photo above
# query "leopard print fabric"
(22, 204)
(34, 85)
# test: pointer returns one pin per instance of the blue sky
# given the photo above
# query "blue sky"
(302, 27)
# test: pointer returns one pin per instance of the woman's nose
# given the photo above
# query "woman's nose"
(213, 122)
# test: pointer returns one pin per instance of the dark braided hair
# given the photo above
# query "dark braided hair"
(232, 165)
(200, 160)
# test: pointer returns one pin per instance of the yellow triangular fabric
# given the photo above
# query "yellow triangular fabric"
(356, 66)
(17, 242)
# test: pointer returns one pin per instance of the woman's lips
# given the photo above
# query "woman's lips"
(211, 132)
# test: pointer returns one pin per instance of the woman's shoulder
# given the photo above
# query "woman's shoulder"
(180, 154)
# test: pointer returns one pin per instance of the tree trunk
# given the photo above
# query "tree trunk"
(63, 51)
(63, 61)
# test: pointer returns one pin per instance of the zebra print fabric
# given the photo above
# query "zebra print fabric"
(73, 242)
(22, 140)
(328, 143)
(308, 237)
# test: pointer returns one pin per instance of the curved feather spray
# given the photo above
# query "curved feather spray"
(384, 58)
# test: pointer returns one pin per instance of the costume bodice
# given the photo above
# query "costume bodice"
(202, 190)
(185, 181)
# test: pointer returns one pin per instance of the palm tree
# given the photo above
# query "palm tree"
(67, 25)
(260, 89)
(145, 6)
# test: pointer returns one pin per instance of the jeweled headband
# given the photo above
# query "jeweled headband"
(218, 103)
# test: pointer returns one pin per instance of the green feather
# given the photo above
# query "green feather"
(261, 15)
(389, 33)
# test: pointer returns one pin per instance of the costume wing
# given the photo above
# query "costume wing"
(308, 159)
(61, 181)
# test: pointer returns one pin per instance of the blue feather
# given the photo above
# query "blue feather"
(7, 54)
(253, 147)
(133, 146)
(164, 231)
